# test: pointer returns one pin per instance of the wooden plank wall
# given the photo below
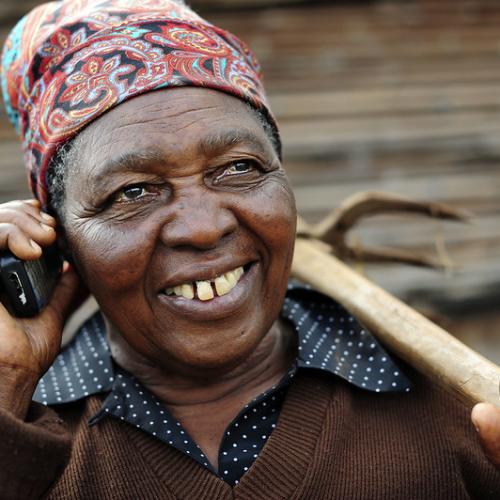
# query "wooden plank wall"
(381, 95)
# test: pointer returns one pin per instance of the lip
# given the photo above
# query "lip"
(218, 307)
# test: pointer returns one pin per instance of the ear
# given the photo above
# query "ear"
(62, 244)
(67, 252)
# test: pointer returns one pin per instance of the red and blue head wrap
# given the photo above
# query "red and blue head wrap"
(68, 62)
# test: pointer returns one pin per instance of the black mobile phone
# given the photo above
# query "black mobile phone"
(28, 284)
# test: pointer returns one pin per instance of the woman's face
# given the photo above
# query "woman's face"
(172, 189)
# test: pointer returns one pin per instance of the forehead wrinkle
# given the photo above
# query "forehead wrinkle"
(130, 161)
(221, 141)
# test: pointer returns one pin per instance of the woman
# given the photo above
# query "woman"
(198, 378)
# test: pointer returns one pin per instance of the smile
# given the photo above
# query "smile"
(207, 290)
(215, 298)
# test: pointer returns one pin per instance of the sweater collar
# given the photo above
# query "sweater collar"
(329, 339)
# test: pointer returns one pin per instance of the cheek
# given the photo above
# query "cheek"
(108, 258)
(270, 214)
(273, 217)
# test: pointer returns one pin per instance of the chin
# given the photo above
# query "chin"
(217, 353)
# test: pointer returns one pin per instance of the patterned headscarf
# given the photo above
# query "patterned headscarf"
(66, 63)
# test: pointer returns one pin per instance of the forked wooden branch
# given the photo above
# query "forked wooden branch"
(333, 228)
(410, 335)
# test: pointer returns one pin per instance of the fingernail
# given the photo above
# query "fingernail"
(35, 245)
(46, 228)
(475, 425)
(47, 217)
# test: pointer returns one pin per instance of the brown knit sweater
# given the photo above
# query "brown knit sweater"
(332, 441)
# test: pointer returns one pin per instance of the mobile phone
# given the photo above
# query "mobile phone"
(27, 285)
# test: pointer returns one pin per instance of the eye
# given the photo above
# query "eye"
(236, 168)
(131, 193)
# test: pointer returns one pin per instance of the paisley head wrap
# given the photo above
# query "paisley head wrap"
(68, 62)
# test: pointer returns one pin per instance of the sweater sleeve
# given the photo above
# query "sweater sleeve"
(33, 453)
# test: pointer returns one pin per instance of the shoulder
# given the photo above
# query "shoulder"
(420, 444)
(424, 435)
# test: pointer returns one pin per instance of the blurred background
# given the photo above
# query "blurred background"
(398, 96)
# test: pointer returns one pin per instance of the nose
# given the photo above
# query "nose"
(200, 220)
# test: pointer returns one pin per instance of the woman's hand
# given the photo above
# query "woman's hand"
(28, 346)
(486, 419)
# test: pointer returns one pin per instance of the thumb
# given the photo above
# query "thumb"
(68, 295)
(486, 419)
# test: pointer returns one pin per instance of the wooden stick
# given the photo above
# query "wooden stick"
(410, 335)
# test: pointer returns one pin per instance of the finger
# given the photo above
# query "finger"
(69, 294)
(19, 234)
(15, 240)
(35, 228)
(43, 233)
(21, 218)
(48, 219)
(33, 201)
(25, 238)
(486, 419)
(30, 207)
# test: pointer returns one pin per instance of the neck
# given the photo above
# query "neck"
(267, 363)
(205, 407)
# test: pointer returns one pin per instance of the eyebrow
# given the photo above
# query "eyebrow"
(133, 161)
(219, 142)
(209, 145)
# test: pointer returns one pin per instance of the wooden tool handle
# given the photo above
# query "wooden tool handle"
(411, 336)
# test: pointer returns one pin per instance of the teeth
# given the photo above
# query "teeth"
(187, 291)
(223, 285)
(231, 278)
(204, 290)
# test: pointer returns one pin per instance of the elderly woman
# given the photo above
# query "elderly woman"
(205, 374)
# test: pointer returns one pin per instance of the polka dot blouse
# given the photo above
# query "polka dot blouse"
(329, 339)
